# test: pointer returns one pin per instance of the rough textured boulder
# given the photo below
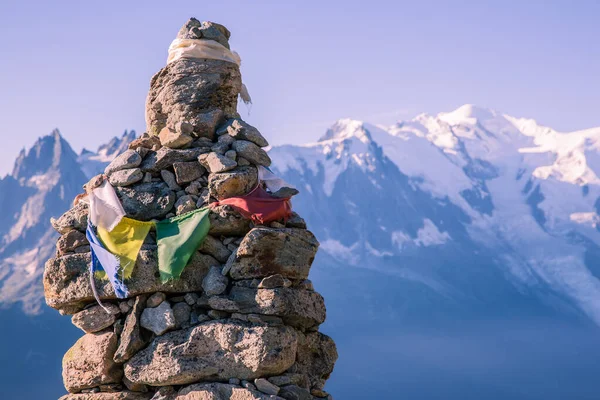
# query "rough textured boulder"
(89, 362)
(214, 351)
(67, 287)
(220, 391)
(209, 85)
(164, 158)
(237, 182)
(108, 396)
(147, 201)
(266, 251)
(95, 318)
(298, 308)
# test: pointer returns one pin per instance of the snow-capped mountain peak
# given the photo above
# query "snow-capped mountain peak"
(473, 178)
(94, 163)
(346, 129)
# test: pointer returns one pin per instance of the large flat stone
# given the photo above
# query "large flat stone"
(237, 182)
(225, 221)
(317, 354)
(267, 251)
(108, 396)
(147, 201)
(89, 363)
(165, 157)
(67, 286)
(298, 308)
(221, 391)
(214, 350)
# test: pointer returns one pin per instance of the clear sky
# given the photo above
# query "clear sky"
(85, 67)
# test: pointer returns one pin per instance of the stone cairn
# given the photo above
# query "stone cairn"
(242, 321)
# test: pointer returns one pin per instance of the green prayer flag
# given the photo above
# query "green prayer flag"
(178, 238)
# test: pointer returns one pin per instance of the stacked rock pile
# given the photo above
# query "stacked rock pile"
(242, 321)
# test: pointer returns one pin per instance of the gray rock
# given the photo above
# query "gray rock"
(125, 395)
(281, 380)
(305, 285)
(89, 363)
(170, 180)
(215, 248)
(293, 392)
(194, 188)
(208, 85)
(216, 350)
(274, 281)
(216, 314)
(191, 298)
(215, 162)
(142, 151)
(242, 161)
(234, 381)
(184, 127)
(118, 327)
(165, 393)
(146, 141)
(74, 219)
(241, 130)
(265, 386)
(155, 300)
(220, 148)
(188, 171)
(125, 160)
(225, 139)
(131, 340)
(146, 201)
(227, 222)
(126, 177)
(267, 251)
(164, 158)
(147, 177)
(70, 241)
(231, 154)
(173, 139)
(185, 204)
(285, 192)
(214, 282)
(237, 182)
(298, 308)
(194, 29)
(251, 152)
(159, 319)
(95, 318)
(124, 307)
(67, 287)
(296, 221)
(205, 123)
(317, 355)
(222, 391)
(181, 312)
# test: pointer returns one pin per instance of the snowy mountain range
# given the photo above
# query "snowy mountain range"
(44, 181)
(449, 243)
(471, 205)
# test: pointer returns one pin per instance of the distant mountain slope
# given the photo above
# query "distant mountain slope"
(44, 181)
(476, 207)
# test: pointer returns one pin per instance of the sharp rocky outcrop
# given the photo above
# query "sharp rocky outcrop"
(242, 321)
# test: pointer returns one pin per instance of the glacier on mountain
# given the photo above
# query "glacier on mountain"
(524, 196)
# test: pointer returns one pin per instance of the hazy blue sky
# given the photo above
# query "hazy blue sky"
(85, 67)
